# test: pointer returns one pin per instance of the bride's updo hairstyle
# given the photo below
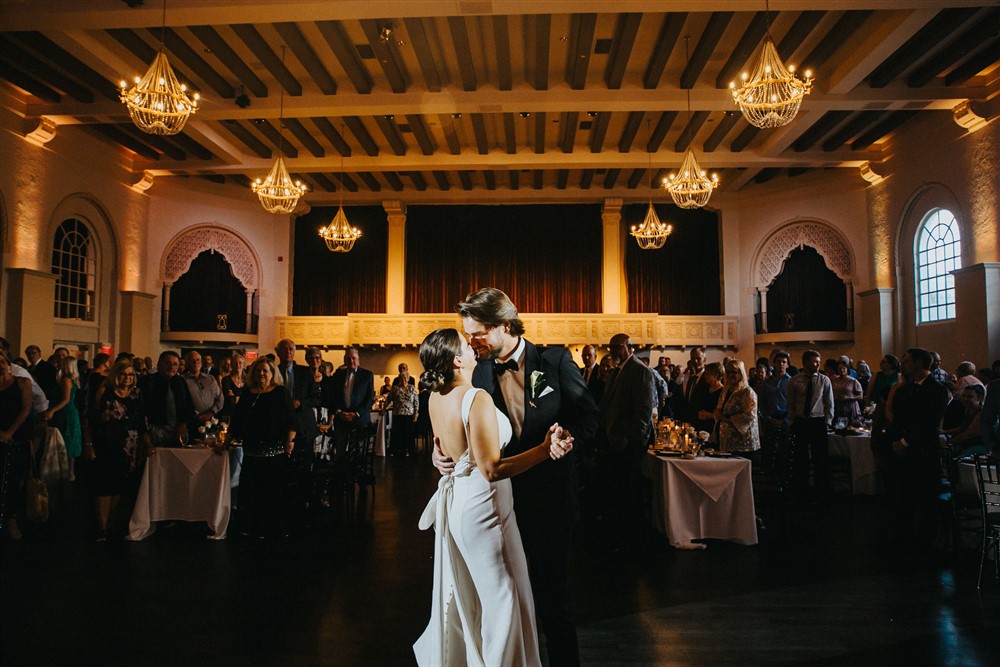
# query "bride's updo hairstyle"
(437, 353)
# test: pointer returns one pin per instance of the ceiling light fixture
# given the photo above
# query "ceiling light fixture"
(158, 103)
(771, 96)
(690, 187)
(277, 193)
(651, 234)
(340, 235)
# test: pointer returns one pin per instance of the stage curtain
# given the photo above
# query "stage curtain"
(806, 296)
(683, 277)
(334, 283)
(205, 292)
(547, 258)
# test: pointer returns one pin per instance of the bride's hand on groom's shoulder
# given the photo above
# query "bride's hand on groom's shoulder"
(443, 463)
(561, 442)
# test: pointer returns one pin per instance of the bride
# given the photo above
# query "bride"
(481, 611)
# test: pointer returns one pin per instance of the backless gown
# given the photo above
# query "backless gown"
(482, 612)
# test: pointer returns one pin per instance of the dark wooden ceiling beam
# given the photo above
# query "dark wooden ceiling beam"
(509, 134)
(391, 133)
(626, 28)
(426, 61)
(189, 145)
(851, 128)
(975, 64)
(725, 126)
(581, 46)
(182, 51)
(501, 44)
(465, 178)
(249, 35)
(157, 143)
(30, 84)
(420, 133)
(388, 56)
(955, 49)
(744, 138)
(800, 30)
(370, 181)
(745, 48)
(14, 56)
(540, 133)
(247, 138)
(323, 181)
(479, 130)
(463, 52)
(336, 37)
(538, 179)
(888, 123)
(666, 39)
(635, 178)
(449, 126)
(570, 120)
(562, 179)
(490, 179)
(115, 134)
(392, 178)
(921, 43)
(706, 46)
(599, 131)
(514, 179)
(690, 131)
(332, 135)
(297, 42)
(418, 180)
(134, 43)
(349, 183)
(839, 36)
(269, 131)
(300, 132)
(357, 128)
(60, 59)
(819, 129)
(765, 175)
(660, 130)
(610, 178)
(586, 178)
(538, 33)
(441, 178)
(631, 128)
(233, 62)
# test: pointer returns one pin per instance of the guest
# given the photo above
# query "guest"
(888, 375)
(773, 406)
(967, 438)
(405, 402)
(264, 423)
(386, 387)
(705, 402)
(985, 376)
(989, 418)
(117, 432)
(847, 395)
(955, 411)
(206, 394)
(232, 384)
(694, 388)
(352, 394)
(139, 365)
(321, 415)
(45, 374)
(810, 403)
(64, 415)
(830, 368)
(763, 372)
(15, 439)
(225, 368)
(864, 375)
(208, 367)
(965, 372)
(737, 412)
(844, 359)
(591, 372)
(167, 402)
(301, 385)
(937, 372)
(95, 379)
(327, 369)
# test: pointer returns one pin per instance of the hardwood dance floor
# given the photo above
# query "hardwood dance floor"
(826, 586)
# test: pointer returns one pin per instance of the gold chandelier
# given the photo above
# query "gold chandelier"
(690, 187)
(651, 234)
(158, 103)
(277, 192)
(771, 96)
(340, 235)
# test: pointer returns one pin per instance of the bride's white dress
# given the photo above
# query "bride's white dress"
(481, 610)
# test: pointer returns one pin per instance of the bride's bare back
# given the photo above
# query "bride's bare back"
(446, 417)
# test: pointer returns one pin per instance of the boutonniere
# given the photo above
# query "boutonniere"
(536, 380)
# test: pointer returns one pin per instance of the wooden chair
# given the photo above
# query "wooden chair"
(365, 463)
(988, 478)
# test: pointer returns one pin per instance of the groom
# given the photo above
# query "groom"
(534, 388)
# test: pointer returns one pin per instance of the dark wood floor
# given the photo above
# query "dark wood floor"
(826, 586)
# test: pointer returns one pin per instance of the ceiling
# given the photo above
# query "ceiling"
(496, 100)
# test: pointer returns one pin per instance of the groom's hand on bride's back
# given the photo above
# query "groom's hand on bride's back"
(443, 463)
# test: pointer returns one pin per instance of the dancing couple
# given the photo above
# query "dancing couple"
(505, 416)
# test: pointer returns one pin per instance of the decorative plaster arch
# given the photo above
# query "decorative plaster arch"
(775, 249)
(193, 241)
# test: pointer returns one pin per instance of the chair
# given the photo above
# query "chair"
(960, 512)
(988, 477)
(365, 462)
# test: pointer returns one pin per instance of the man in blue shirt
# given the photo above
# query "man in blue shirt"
(773, 401)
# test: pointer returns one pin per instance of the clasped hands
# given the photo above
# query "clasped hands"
(560, 444)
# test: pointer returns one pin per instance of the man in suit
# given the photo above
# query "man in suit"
(352, 394)
(912, 474)
(695, 388)
(209, 367)
(534, 388)
(305, 393)
(166, 401)
(43, 372)
(626, 410)
(591, 372)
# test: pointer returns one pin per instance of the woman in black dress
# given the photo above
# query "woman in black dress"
(15, 437)
(264, 423)
(118, 438)
(232, 385)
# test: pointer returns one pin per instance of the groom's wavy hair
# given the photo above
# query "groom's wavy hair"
(493, 308)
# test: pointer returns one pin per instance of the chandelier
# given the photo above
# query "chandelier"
(277, 192)
(158, 103)
(690, 187)
(651, 234)
(340, 235)
(771, 96)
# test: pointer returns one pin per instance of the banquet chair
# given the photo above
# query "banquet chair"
(365, 462)
(960, 513)
(988, 478)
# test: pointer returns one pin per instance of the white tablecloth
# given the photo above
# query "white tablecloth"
(702, 498)
(183, 485)
(865, 480)
(383, 419)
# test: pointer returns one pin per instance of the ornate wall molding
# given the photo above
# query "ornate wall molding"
(193, 241)
(544, 329)
(777, 247)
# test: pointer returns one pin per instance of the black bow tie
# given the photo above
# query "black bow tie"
(502, 366)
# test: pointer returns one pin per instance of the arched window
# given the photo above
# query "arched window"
(74, 262)
(938, 252)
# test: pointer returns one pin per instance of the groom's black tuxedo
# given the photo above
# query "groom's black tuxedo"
(545, 497)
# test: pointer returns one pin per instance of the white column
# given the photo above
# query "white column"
(614, 293)
(395, 266)
(763, 310)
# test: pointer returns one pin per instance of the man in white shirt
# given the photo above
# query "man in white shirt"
(810, 407)
(206, 394)
(39, 403)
